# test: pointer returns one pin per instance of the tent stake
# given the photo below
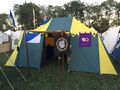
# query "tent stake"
(6, 78)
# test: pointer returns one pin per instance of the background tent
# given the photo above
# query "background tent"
(4, 43)
(81, 57)
(116, 51)
(15, 38)
(3, 37)
(110, 38)
(9, 32)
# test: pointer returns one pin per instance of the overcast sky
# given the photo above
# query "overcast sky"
(6, 5)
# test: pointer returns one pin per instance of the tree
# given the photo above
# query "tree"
(101, 26)
(55, 11)
(24, 13)
(75, 8)
(108, 8)
(3, 22)
(118, 13)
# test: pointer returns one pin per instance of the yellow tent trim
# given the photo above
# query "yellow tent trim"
(77, 27)
(106, 66)
(11, 60)
(42, 28)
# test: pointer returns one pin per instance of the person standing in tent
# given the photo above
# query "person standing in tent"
(63, 45)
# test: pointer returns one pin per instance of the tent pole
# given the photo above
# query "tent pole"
(28, 63)
(18, 70)
(21, 74)
(6, 78)
(62, 35)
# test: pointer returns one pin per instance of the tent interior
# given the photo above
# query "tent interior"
(51, 53)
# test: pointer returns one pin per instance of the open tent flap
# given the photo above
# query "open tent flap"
(34, 52)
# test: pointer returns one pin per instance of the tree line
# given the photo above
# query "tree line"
(99, 16)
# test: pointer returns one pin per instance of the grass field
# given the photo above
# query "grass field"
(51, 78)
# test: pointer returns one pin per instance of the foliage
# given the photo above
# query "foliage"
(101, 26)
(55, 11)
(75, 8)
(108, 12)
(3, 22)
(25, 15)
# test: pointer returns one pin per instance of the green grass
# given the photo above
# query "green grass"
(51, 77)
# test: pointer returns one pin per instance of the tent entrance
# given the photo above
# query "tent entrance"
(52, 54)
(49, 48)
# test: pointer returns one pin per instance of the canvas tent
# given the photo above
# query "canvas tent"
(87, 59)
(116, 52)
(9, 32)
(3, 37)
(15, 38)
(111, 40)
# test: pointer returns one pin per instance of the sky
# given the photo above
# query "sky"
(7, 5)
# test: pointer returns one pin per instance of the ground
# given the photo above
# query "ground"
(51, 77)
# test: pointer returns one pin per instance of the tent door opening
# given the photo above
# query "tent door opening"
(57, 48)
(49, 48)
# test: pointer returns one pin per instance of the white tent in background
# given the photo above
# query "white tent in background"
(3, 37)
(9, 32)
(110, 38)
(15, 38)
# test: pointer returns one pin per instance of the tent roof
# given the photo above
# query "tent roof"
(66, 24)
(60, 24)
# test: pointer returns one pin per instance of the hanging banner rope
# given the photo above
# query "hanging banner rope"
(62, 44)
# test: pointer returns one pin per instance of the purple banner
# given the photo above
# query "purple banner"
(85, 39)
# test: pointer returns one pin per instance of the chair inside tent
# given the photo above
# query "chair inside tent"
(87, 54)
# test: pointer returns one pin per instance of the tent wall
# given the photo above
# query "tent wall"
(84, 59)
(34, 54)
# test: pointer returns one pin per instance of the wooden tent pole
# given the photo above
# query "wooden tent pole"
(28, 63)
(62, 35)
